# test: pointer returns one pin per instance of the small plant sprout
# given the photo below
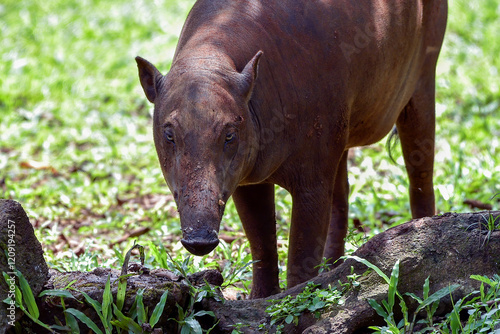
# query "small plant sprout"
(311, 299)
(386, 308)
(25, 300)
(489, 224)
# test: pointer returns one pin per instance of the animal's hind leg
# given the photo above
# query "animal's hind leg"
(337, 230)
(416, 123)
(255, 205)
(416, 128)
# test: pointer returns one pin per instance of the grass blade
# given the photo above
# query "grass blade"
(194, 326)
(122, 290)
(393, 284)
(125, 322)
(484, 279)
(141, 311)
(107, 300)
(155, 316)
(436, 296)
(379, 309)
(203, 313)
(97, 307)
(159, 254)
(28, 297)
(83, 318)
(426, 288)
(56, 293)
(72, 323)
(369, 265)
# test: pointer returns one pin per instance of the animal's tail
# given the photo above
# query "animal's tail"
(392, 141)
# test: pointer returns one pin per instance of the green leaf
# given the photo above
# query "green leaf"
(155, 316)
(72, 323)
(56, 293)
(316, 306)
(404, 310)
(203, 313)
(369, 265)
(200, 295)
(107, 300)
(186, 329)
(160, 257)
(6, 277)
(118, 255)
(484, 279)
(454, 317)
(83, 318)
(180, 310)
(19, 298)
(121, 290)
(414, 296)
(28, 297)
(125, 322)
(194, 325)
(97, 307)
(455, 324)
(393, 284)
(380, 311)
(141, 312)
(436, 296)
(289, 319)
(426, 288)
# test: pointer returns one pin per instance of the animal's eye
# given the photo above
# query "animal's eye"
(169, 136)
(230, 137)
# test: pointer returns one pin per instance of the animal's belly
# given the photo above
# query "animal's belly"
(375, 111)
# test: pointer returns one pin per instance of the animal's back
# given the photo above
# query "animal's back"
(359, 61)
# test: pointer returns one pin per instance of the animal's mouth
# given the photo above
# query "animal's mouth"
(200, 243)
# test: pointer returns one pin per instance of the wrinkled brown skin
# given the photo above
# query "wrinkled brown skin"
(232, 120)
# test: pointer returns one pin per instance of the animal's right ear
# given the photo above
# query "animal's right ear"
(249, 74)
(150, 78)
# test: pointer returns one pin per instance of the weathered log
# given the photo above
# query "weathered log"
(154, 282)
(19, 249)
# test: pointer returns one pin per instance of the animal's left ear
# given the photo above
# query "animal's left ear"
(249, 75)
(150, 78)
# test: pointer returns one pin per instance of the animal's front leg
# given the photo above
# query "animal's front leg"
(255, 205)
(310, 218)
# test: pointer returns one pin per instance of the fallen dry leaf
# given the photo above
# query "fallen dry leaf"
(478, 204)
(32, 164)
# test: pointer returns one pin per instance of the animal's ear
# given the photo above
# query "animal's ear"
(150, 78)
(249, 75)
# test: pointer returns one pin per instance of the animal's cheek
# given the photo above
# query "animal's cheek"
(231, 151)
(171, 179)
(234, 162)
(167, 156)
(169, 166)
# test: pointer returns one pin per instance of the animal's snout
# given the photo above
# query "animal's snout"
(200, 242)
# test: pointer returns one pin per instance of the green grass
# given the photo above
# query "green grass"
(71, 100)
(481, 306)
